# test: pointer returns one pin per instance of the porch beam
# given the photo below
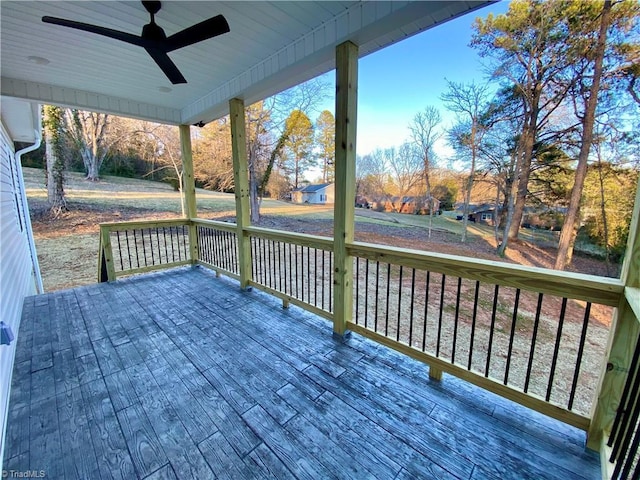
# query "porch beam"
(189, 189)
(241, 182)
(345, 174)
(623, 336)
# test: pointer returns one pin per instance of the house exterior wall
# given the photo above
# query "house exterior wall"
(321, 197)
(485, 217)
(16, 268)
(296, 197)
(330, 194)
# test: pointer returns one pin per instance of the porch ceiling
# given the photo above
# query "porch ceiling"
(272, 46)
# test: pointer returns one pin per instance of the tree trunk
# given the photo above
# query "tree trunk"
(55, 179)
(472, 172)
(254, 197)
(272, 160)
(522, 175)
(496, 217)
(572, 220)
(297, 172)
(510, 193)
(603, 213)
(183, 208)
(55, 163)
(429, 199)
(465, 209)
(93, 174)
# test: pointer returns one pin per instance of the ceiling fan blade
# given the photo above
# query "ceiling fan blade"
(197, 33)
(166, 65)
(107, 32)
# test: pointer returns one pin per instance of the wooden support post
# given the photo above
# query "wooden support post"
(345, 184)
(622, 340)
(435, 373)
(189, 189)
(241, 182)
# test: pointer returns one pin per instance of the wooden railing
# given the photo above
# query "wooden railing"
(623, 445)
(136, 247)
(495, 325)
(538, 337)
(294, 267)
(218, 247)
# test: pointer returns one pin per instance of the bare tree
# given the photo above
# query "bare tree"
(371, 175)
(161, 147)
(267, 134)
(405, 170)
(469, 102)
(169, 156)
(89, 133)
(425, 133)
(212, 158)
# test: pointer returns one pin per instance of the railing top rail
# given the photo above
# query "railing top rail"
(226, 226)
(605, 291)
(144, 224)
(313, 241)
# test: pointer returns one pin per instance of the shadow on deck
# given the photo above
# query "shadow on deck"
(180, 374)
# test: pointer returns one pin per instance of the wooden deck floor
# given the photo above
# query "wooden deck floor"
(180, 374)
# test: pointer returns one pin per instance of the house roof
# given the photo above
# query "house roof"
(312, 188)
(271, 47)
(485, 207)
(479, 208)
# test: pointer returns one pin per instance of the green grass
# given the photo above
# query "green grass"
(117, 192)
(113, 193)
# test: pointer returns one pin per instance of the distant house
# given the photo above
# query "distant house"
(318, 194)
(484, 213)
(363, 202)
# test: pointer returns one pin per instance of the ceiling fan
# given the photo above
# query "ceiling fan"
(154, 40)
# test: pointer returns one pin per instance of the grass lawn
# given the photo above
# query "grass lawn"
(67, 246)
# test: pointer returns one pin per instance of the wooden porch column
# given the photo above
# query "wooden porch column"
(189, 188)
(622, 340)
(241, 182)
(345, 184)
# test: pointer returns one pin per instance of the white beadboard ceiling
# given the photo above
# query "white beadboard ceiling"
(272, 46)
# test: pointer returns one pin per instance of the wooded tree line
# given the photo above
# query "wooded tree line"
(283, 143)
(555, 125)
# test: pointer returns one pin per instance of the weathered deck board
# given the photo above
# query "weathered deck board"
(179, 374)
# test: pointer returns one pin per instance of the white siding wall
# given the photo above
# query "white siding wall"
(330, 193)
(16, 270)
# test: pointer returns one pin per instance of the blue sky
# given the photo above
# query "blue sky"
(399, 81)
